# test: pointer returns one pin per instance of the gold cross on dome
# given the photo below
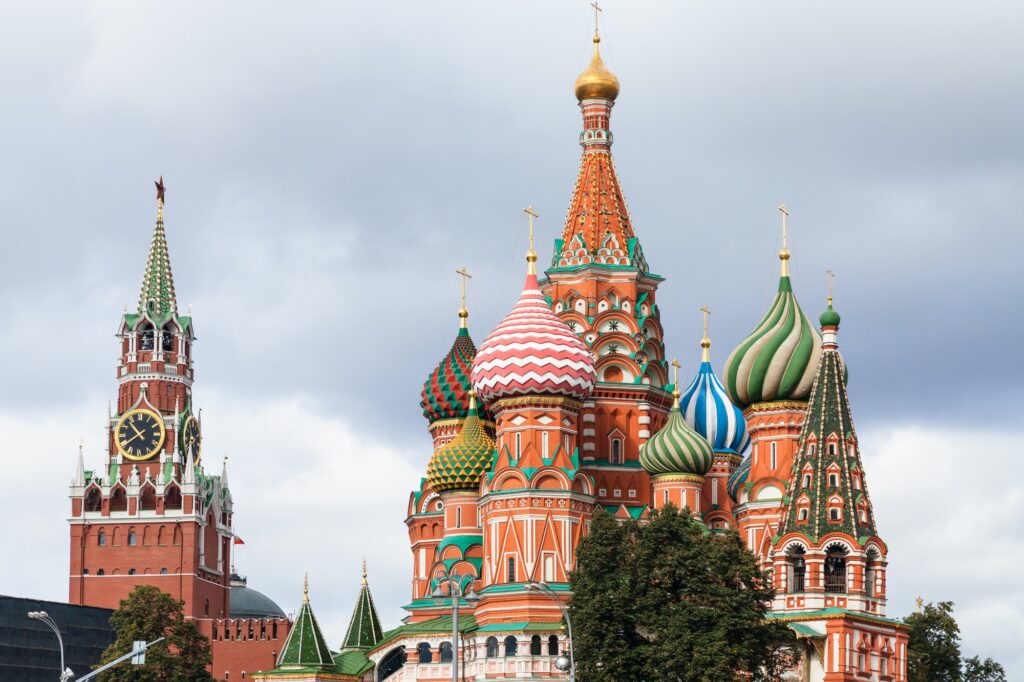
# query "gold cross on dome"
(597, 11)
(531, 255)
(529, 211)
(830, 276)
(675, 367)
(785, 214)
(464, 274)
(707, 313)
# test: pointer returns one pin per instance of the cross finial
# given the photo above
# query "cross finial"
(705, 342)
(920, 604)
(463, 310)
(364, 572)
(784, 253)
(597, 11)
(305, 589)
(531, 255)
(676, 393)
(830, 276)
(675, 367)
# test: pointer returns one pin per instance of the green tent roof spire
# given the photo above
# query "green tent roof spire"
(364, 631)
(157, 297)
(305, 646)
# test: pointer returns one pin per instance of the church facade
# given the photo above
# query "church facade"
(569, 406)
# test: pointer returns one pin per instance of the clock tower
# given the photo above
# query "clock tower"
(150, 514)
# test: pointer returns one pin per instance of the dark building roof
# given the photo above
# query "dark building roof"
(249, 603)
(28, 648)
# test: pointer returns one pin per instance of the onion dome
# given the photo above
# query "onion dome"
(461, 464)
(738, 478)
(777, 361)
(446, 391)
(532, 352)
(676, 448)
(707, 408)
(596, 81)
(829, 318)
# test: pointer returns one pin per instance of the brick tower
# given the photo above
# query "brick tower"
(150, 514)
(828, 563)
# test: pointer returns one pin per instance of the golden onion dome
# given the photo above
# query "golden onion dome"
(596, 81)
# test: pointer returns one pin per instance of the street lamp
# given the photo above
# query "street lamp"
(455, 593)
(562, 663)
(66, 673)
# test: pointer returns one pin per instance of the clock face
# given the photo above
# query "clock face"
(139, 434)
(191, 438)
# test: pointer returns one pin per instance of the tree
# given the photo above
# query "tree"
(148, 614)
(976, 670)
(667, 600)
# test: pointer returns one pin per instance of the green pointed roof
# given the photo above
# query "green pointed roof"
(305, 646)
(157, 298)
(364, 631)
(829, 420)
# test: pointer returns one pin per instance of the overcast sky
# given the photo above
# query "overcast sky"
(329, 165)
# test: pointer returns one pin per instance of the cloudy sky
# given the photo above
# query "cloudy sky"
(329, 165)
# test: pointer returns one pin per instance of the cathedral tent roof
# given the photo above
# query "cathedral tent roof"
(364, 630)
(305, 646)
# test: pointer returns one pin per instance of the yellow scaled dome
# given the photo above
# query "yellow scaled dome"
(596, 81)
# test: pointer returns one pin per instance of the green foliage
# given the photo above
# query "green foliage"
(976, 670)
(933, 650)
(665, 600)
(148, 614)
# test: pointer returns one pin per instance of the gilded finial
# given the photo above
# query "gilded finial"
(160, 190)
(784, 253)
(364, 572)
(531, 255)
(463, 310)
(305, 589)
(596, 81)
(705, 342)
(676, 393)
(920, 604)
(597, 12)
(472, 400)
(829, 275)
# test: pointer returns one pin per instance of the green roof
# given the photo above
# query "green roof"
(157, 298)
(305, 646)
(364, 630)
(435, 626)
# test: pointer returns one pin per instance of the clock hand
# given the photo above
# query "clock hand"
(138, 434)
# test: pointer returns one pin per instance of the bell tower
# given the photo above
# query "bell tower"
(149, 514)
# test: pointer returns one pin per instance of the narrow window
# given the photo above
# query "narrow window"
(458, 517)
(511, 569)
(833, 480)
(101, 572)
(273, 630)
(535, 645)
(797, 569)
(511, 646)
(616, 451)
(831, 448)
(775, 457)
(101, 539)
(833, 514)
(714, 492)
(131, 538)
(519, 445)
(807, 480)
(131, 571)
(812, 448)
(553, 645)
(492, 647)
(803, 515)
(423, 653)
(566, 447)
(544, 445)
(445, 651)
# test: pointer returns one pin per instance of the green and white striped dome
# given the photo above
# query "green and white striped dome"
(677, 448)
(777, 361)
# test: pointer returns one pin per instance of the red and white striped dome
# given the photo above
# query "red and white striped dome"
(532, 352)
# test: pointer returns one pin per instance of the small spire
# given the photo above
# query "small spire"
(463, 310)
(160, 190)
(157, 297)
(829, 276)
(784, 253)
(705, 343)
(676, 393)
(79, 479)
(224, 474)
(189, 477)
(364, 572)
(305, 589)
(531, 255)
(472, 403)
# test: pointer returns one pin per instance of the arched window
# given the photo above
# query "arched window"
(492, 647)
(85, 571)
(445, 651)
(93, 500)
(535, 645)
(131, 571)
(101, 539)
(146, 337)
(131, 538)
(423, 653)
(172, 498)
(835, 569)
(390, 664)
(101, 572)
(807, 481)
(803, 514)
(797, 569)
(834, 514)
(553, 645)
(511, 646)
(831, 448)
(616, 451)
(118, 500)
(167, 340)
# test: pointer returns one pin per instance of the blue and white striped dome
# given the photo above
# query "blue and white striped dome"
(707, 408)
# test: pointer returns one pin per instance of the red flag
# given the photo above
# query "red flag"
(239, 541)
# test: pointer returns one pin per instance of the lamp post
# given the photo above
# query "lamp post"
(455, 593)
(562, 663)
(66, 673)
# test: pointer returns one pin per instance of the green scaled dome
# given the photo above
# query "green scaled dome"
(461, 464)
(777, 361)
(829, 318)
(677, 449)
(445, 392)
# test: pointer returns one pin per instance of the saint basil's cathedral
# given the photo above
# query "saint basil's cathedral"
(569, 405)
